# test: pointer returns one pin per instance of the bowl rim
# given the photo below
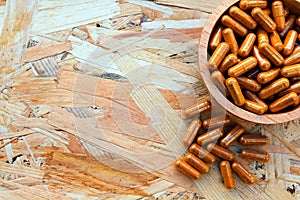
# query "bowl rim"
(216, 93)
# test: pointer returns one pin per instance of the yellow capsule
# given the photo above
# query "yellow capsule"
(249, 4)
(290, 99)
(220, 151)
(210, 136)
(272, 54)
(243, 173)
(197, 108)
(253, 97)
(218, 56)
(191, 132)
(274, 88)
(291, 70)
(219, 80)
(252, 73)
(289, 43)
(298, 21)
(229, 37)
(262, 36)
(227, 174)
(295, 87)
(254, 107)
(276, 41)
(197, 163)
(242, 67)
(235, 91)
(215, 122)
(242, 17)
(278, 15)
(187, 169)
(263, 63)
(202, 153)
(232, 136)
(265, 77)
(264, 20)
(249, 84)
(290, 22)
(254, 140)
(234, 25)
(247, 45)
(292, 59)
(228, 62)
(258, 156)
(267, 11)
(216, 38)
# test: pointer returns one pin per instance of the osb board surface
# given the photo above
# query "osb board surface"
(92, 104)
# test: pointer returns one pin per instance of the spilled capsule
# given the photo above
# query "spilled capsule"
(258, 156)
(226, 174)
(254, 140)
(202, 153)
(191, 132)
(187, 169)
(243, 173)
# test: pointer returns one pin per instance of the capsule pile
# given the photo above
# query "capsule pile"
(255, 56)
(206, 147)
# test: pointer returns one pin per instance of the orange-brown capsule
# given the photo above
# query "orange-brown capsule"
(264, 20)
(258, 156)
(219, 80)
(289, 43)
(263, 63)
(290, 99)
(291, 70)
(249, 84)
(272, 54)
(247, 45)
(235, 91)
(191, 132)
(262, 36)
(227, 174)
(292, 59)
(202, 153)
(242, 17)
(197, 108)
(232, 135)
(253, 97)
(228, 62)
(298, 21)
(254, 107)
(234, 25)
(218, 56)
(274, 88)
(267, 11)
(220, 151)
(254, 140)
(249, 4)
(278, 15)
(216, 38)
(197, 163)
(229, 37)
(290, 22)
(295, 87)
(216, 122)
(252, 73)
(265, 77)
(187, 169)
(243, 173)
(210, 136)
(276, 41)
(242, 67)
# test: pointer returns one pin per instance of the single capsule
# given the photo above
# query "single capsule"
(210, 136)
(191, 132)
(266, 77)
(248, 83)
(290, 99)
(234, 25)
(216, 122)
(187, 169)
(254, 107)
(242, 67)
(216, 38)
(197, 163)
(289, 43)
(272, 54)
(249, 4)
(243, 173)
(227, 175)
(278, 15)
(228, 62)
(252, 73)
(258, 156)
(235, 91)
(267, 11)
(298, 21)
(292, 59)
(229, 37)
(274, 88)
(264, 20)
(254, 140)
(263, 63)
(232, 136)
(295, 87)
(242, 17)
(276, 41)
(197, 108)
(202, 153)
(218, 56)
(262, 36)
(219, 80)
(247, 45)
(290, 71)
(290, 22)
(253, 97)
(220, 151)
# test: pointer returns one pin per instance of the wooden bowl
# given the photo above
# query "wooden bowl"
(293, 5)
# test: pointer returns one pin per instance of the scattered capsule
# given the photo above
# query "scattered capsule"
(234, 25)
(274, 88)
(235, 91)
(264, 20)
(254, 107)
(252, 73)
(249, 4)
(197, 108)
(292, 59)
(289, 43)
(254, 140)
(219, 80)
(202, 153)
(210, 136)
(272, 54)
(229, 37)
(266, 77)
(258, 156)
(242, 67)
(298, 21)
(242, 17)
(191, 132)
(216, 122)
(290, 71)
(248, 83)
(247, 45)
(218, 55)
(220, 151)
(243, 173)
(295, 87)
(232, 136)
(290, 99)
(276, 41)
(227, 174)
(290, 22)
(197, 163)
(216, 38)
(228, 62)
(253, 97)
(278, 15)
(262, 36)
(263, 63)
(187, 169)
